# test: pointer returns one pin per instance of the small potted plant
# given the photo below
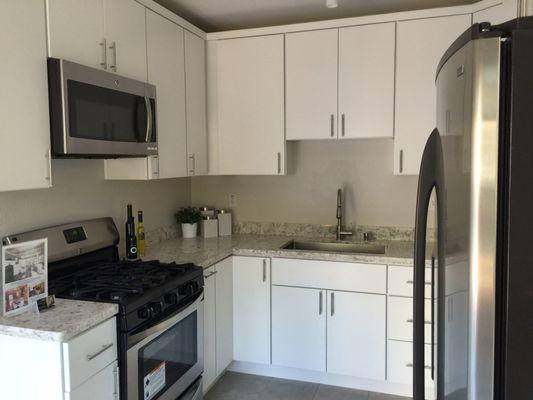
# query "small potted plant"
(188, 217)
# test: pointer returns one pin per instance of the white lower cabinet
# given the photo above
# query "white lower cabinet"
(299, 327)
(210, 356)
(224, 314)
(356, 334)
(102, 386)
(400, 319)
(251, 309)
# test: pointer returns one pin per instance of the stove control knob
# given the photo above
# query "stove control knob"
(171, 298)
(157, 308)
(145, 312)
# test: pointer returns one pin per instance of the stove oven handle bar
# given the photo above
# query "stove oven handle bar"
(169, 321)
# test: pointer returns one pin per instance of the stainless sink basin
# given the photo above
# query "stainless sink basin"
(335, 247)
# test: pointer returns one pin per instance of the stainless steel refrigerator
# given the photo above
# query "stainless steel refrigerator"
(476, 186)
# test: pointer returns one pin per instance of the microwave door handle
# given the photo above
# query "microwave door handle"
(148, 118)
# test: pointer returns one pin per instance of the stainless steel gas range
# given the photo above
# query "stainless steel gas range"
(160, 320)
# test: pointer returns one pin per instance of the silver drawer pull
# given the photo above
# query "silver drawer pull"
(410, 321)
(411, 282)
(410, 365)
(104, 348)
(210, 275)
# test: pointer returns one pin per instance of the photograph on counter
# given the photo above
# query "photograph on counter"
(24, 275)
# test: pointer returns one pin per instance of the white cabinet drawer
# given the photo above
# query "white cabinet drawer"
(401, 281)
(353, 277)
(400, 362)
(102, 386)
(89, 353)
(400, 319)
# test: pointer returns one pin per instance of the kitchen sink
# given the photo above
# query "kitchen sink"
(335, 247)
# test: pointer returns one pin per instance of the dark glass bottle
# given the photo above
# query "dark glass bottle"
(131, 240)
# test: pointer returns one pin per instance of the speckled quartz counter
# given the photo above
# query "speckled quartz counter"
(206, 252)
(65, 320)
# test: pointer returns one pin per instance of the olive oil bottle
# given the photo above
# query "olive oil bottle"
(141, 244)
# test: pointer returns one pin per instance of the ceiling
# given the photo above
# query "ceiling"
(222, 15)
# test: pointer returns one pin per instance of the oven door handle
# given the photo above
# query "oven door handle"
(170, 321)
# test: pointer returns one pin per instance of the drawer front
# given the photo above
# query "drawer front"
(89, 353)
(102, 386)
(400, 362)
(401, 281)
(400, 319)
(353, 277)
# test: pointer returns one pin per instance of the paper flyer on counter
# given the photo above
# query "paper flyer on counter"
(24, 275)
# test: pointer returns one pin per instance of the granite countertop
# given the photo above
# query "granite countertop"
(206, 252)
(65, 320)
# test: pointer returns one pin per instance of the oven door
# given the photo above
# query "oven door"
(164, 360)
(95, 113)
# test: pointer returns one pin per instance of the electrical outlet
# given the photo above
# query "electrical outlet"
(232, 200)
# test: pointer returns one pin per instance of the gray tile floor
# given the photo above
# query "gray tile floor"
(235, 386)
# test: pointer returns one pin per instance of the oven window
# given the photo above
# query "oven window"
(103, 114)
(163, 361)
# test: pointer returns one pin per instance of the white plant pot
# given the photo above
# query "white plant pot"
(189, 230)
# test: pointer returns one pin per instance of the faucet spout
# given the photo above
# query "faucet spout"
(340, 232)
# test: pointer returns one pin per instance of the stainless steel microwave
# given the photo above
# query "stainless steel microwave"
(97, 114)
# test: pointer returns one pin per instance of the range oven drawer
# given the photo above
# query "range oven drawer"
(89, 353)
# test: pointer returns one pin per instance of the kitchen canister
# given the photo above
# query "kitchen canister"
(209, 227)
(224, 223)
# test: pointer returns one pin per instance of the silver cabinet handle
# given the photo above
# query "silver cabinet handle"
(410, 282)
(113, 48)
(103, 63)
(332, 123)
(343, 125)
(210, 275)
(320, 302)
(104, 348)
(193, 168)
(401, 161)
(410, 365)
(410, 321)
(332, 304)
(48, 158)
(279, 163)
(264, 270)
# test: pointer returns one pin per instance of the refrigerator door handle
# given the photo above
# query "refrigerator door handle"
(430, 179)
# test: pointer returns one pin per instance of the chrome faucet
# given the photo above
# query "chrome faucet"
(340, 232)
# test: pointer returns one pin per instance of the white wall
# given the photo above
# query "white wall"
(308, 194)
(80, 192)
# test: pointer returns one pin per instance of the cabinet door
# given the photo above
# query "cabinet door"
(311, 78)
(195, 82)
(356, 334)
(76, 31)
(420, 46)
(400, 319)
(251, 115)
(251, 309)
(166, 71)
(366, 81)
(125, 30)
(299, 327)
(210, 359)
(497, 14)
(224, 314)
(102, 386)
(24, 118)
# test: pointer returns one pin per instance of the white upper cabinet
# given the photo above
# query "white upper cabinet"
(366, 81)
(76, 31)
(311, 79)
(24, 121)
(195, 82)
(250, 106)
(125, 31)
(497, 14)
(107, 34)
(420, 46)
(166, 70)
